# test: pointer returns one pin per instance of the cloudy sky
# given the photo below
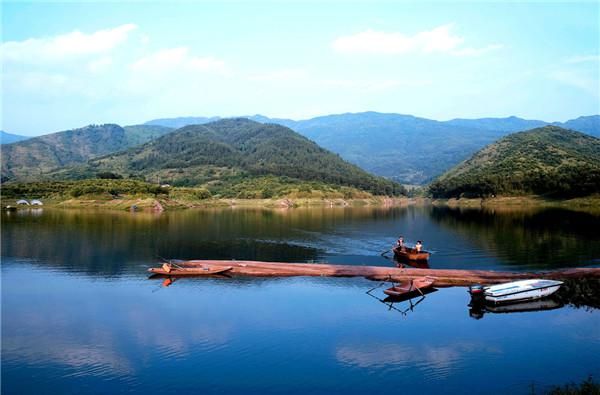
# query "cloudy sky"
(66, 65)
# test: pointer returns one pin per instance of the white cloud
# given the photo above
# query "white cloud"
(374, 85)
(284, 75)
(61, 47)
(100, 64)
(298, 76)
(173, 59)
(589, 85)
(584, 58)
(476, 51)
(439, 40)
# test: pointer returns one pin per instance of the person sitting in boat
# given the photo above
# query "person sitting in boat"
(419, 246)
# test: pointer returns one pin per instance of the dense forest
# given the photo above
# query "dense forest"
(549, 161)
(251, 187)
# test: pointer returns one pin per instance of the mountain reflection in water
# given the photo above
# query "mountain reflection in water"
(114, 243)
(79, 314)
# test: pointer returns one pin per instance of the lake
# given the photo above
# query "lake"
(79, 314)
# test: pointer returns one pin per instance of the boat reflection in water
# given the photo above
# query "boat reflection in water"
(478, 308)
(401, 263)
(413, 297)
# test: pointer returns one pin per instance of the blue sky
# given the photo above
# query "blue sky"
(66, 65)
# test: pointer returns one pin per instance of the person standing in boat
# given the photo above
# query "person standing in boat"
(400, 243)
(419, 246)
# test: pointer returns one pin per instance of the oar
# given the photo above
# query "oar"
(386, 251)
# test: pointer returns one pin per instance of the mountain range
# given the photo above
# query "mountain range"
(229, 151)
(549, 161)
(404, 148)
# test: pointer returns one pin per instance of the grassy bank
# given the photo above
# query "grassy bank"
(122, 194)
(591, 202)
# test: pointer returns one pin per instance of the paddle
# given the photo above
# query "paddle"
(170, 262)
(385, 252)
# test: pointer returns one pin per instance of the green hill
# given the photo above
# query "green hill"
(545, 161)
(228, 152)
(28, 160)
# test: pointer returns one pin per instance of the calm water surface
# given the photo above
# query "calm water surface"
(79, 314)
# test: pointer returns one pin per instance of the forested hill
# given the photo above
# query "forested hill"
(548, 161)
(234, 149)
(28, 160)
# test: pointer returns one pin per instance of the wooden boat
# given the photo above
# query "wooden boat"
(169, 269)
(415, 285)
(518, 291)
(410, 254)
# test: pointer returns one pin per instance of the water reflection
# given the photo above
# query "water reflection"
(80, 316)
(122, 243)
(477, 309)
(71, 333)
(435, 360)
(536, 237)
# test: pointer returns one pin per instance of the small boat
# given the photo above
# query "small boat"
(169, 269)
(410, 254)
(520, 290)
(414, 285)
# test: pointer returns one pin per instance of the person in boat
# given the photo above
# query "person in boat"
(400, 243)
(419, 246)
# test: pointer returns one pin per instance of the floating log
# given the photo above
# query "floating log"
(443, 277)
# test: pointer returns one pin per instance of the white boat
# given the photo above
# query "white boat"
(521, 290)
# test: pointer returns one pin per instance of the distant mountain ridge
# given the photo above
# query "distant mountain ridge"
(545, 161)
(8, 138)
(180, 122)
(509, 124)
(233, 149)
(405, 148)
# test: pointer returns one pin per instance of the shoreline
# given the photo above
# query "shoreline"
(529, 201)
(160, 204)
(154, 204)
